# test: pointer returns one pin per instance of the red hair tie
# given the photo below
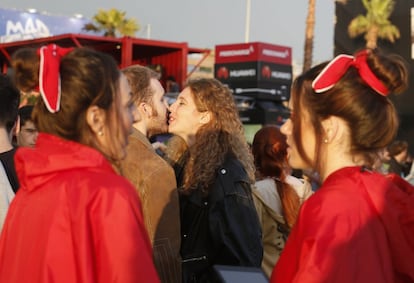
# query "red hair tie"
(49, 77)
(335, 70)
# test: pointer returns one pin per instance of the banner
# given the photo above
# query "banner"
(254, 51)
(253, 71)
(18, 25)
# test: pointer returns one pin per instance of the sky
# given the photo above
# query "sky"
(206, 23)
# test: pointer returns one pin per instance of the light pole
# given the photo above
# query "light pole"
(247, 28)
(148, 31)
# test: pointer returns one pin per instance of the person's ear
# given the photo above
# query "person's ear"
(95, 117)
(205, 117)
(145, 109)
(333, 128)
(16, 126)
(276, 148)
(136, 115)
(328, 126)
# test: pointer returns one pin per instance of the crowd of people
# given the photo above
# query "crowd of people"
(86, 197)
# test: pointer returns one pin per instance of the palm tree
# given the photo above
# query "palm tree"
(112, 22)
(375, 24)
(309, 34)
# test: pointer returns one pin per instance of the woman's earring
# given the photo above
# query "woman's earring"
(325, 140)
(100, 133)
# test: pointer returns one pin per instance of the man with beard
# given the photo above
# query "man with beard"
(153, 177)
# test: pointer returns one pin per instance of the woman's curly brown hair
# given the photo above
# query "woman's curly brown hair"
(223, 135)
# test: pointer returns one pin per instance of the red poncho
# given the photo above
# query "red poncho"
(73, 220)
(358, 227)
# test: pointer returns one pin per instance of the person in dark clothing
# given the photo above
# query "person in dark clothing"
(215, 171)
(9, 104)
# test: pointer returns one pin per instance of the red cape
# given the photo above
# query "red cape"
(358, 227)
(73, 220)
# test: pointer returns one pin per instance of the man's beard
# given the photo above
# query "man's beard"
(158, 125)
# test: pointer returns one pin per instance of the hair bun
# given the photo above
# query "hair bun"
(391, 69)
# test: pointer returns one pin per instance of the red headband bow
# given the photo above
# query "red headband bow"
(49, 77)
(334, 71)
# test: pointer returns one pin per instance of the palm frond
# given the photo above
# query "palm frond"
(377, 17)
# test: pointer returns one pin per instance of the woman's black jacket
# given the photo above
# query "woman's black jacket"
(220, 228)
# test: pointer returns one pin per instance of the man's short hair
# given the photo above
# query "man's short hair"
(139, 78)
(25, 114)
(9, 103)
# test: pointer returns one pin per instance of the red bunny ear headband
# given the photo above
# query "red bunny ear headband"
(334, 71)
(49, 77)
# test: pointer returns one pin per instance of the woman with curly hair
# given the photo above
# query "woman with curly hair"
(277, 194)
(219, 222)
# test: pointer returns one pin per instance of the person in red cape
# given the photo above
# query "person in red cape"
(75, 219)
(359, 225)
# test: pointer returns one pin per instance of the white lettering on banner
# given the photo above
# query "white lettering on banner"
(274, 53)
(12, 28)
(240, 52)
(243, 73)
(32, 29)
(281, 75)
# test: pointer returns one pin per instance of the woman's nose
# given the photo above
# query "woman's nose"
(171, 107)
(286, 128)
